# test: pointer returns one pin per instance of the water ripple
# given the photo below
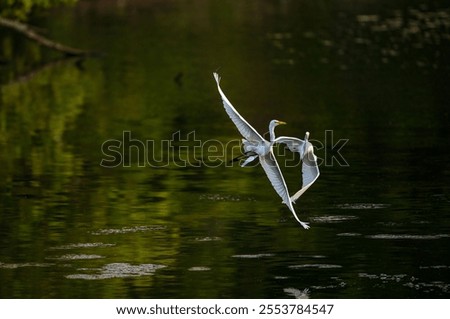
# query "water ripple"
(199, 268)
(319, 266)
(81, 245)
(21, 265)
(208, 239)
(225, 198)
(349, 234)
(332, 218)
(410, 282)
(77, 257)
(249, 256)
(118, 270)
(312, 256)
(385, 277)
(362, 206)
(125, 230)
(429, 286)
(435, 267)
(406, 236)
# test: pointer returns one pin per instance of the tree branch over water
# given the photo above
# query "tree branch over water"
(28, 31)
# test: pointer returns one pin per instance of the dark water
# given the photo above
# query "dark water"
(183, 226)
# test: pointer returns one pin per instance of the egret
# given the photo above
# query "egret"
(255, 146)
(310, 169)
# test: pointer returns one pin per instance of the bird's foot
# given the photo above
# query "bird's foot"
(248, 160)
(305, 225)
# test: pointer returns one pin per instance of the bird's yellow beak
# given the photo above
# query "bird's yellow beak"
(281, 122)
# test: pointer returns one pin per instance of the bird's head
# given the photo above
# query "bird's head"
(306, 136)
(276, 122)
(272, 126)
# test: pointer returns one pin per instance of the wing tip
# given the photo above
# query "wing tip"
(216, 77)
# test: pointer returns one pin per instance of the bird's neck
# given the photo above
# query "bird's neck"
(272, 133)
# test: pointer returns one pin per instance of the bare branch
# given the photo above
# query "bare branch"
(33, 35)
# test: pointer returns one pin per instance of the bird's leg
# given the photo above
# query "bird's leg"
(239, 157)
(292, 200)
(248, 160)
(305, 225)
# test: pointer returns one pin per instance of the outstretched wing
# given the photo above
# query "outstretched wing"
(273, 172)
(294, 144)
(242, 125)
(310, 171)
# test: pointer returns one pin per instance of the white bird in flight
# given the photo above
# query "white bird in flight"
(255, 146)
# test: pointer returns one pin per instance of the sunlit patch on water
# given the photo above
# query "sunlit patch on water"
(297, 293)
(199, 268)
(362, 206)
(117, 270)
(319, 266)
(339, 284)
(125, 230)
(385, 277)
(208, 239)
(312, 256)
(389, 224)
(332, 218)
(77, 257)
(81, 245)
(420, 222)
(349, 234)
(225, 198)
(250, 256)
(435, 267)
(21, 265)
(397, 224)
(428, 287)
(410, 282)
(407, 236)
(367, 18)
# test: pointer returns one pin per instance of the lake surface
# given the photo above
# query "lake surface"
(166, 216)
